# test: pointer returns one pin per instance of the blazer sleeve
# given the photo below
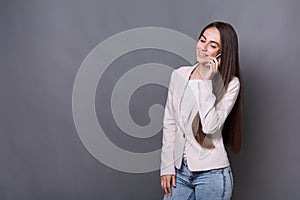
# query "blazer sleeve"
(213, 116)
(169, 132)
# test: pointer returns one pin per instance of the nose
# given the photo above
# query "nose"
(202, 47)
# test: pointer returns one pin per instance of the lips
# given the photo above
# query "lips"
(202, 55)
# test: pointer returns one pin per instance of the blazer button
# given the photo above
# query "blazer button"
(183, 135)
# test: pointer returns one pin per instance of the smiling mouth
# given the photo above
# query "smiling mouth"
(202, 55)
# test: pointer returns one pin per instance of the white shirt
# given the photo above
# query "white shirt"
(190, 94)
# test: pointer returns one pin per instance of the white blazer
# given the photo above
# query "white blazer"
(179, 135)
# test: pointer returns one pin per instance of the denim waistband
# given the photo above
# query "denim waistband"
(227, 168)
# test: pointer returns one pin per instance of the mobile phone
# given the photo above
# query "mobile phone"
(218, 55)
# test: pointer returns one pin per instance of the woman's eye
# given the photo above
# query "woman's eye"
(202, 40)
(213, 46)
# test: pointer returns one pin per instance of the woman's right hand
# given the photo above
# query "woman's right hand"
(165, 182)
(208, 67)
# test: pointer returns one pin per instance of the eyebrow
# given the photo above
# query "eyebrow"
(211, 40)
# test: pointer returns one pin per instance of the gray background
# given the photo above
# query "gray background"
(43, 44)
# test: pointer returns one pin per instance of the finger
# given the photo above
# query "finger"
(168, 184)
(217, 62)
(166, 189)
(163, 185)
(173, 180)
(211, 69)
(213, 65)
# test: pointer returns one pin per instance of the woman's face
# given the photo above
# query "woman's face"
(209, 44)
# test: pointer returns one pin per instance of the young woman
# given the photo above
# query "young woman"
(203, 117)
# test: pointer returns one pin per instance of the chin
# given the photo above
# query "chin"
(199, 59)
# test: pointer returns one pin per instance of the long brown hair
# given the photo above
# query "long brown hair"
(229, 67)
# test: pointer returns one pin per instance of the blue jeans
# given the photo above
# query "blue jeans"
(216, 184)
